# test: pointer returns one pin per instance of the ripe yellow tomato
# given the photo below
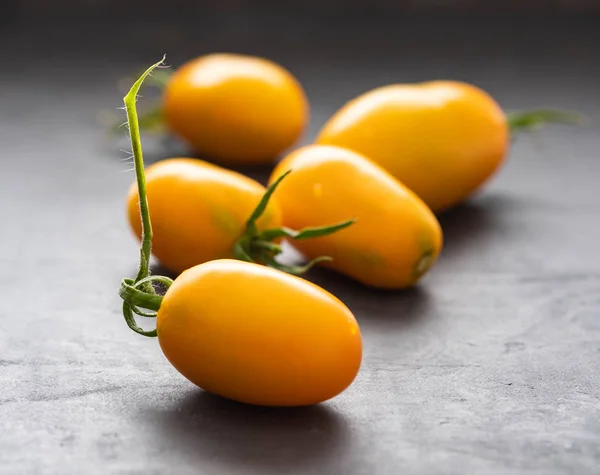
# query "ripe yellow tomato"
(257, 335)
(198, 211)
(442, 139)
(396, 237)
(235, 108)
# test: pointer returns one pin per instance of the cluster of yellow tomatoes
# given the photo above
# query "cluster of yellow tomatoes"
(360, 200)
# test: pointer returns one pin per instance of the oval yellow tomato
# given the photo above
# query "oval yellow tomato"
(198, 211)
(236, 108)
(442, 139)
(256, 335)
(396, 237)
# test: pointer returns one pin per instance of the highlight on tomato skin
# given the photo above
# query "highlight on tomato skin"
(256, 335)
(396, 239)
(234, 108)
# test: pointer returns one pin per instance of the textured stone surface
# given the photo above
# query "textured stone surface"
(490, 366)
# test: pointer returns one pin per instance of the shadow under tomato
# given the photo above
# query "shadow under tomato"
(157, 268)
(204, 428)
(472, 222)
(371, 306)
(393, 308)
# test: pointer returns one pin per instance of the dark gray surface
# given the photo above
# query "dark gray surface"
(490, 366)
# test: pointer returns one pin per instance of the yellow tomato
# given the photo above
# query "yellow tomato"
(256, 335)
(396, 237)
(442, 139)
(198, 211)
(236, 108)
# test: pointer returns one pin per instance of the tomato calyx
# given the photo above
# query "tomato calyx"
(135, 300)
(258, 246)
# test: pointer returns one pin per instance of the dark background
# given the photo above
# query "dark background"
(489, 366)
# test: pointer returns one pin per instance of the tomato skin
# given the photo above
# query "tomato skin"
(235, 108)
(396, 237)
(257, 335)
(198, 211)
(442, 139)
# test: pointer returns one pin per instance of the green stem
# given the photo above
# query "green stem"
(151, 120)
(139, 292)
(140, 176)
(524, 121)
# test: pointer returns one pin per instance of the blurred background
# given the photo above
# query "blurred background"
(523, 52)
(450, 367)
(526, 53)
(67, 62)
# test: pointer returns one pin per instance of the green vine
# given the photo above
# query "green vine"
(139, 293)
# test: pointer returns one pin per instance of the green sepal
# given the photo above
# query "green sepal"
(129, 291)
(262, 206)
(269, 247)
(255, 246)
(294, 270)
(533, 119)
(304, 233)
(239, 251)
(131, 323)
(143, 313)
